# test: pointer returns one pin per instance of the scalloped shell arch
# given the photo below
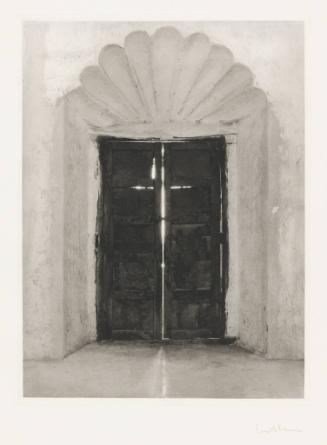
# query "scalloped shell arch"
(167, 78)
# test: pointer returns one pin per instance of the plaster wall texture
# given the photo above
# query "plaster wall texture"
(265, 298)
(42, 197)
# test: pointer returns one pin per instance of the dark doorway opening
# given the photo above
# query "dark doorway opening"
(162, 239)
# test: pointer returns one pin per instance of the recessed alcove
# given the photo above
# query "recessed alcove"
(166, 86)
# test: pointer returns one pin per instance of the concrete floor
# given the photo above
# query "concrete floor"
(126, 369)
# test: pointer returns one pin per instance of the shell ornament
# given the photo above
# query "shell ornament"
(166, 81)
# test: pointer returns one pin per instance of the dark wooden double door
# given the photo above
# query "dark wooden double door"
(162, 253)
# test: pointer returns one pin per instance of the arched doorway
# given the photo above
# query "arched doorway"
(173, 73)
(165, 87)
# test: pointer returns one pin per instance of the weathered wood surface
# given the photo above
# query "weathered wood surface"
(130, 294)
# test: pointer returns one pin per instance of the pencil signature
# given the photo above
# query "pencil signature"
(277, 428)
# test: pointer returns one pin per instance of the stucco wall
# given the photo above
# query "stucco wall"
(42, 212)
(61, 183)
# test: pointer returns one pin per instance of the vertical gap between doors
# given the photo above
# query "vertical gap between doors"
(163, 232)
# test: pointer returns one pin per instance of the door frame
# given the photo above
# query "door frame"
(103, 333)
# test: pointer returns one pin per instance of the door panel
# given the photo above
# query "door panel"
(191, 205)
(189, 163)
(130, 296)
(133, 206)
(192, 316)
(132, 318)
(129, 234)
(194, 294)
(134, 272)
(131, 164)
(130, 238)
(191, 256)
